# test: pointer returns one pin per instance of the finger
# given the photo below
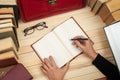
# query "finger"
(46, 61)
(73, 43)
(77, 40)
(78, 44)
(44, 66)
(66, 67)
(52, 61)
(43, 70)
(81, 41)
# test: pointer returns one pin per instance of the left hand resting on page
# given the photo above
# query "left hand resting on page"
(51, 70)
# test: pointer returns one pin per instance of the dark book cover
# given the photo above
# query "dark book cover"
(19, 72)
(8, 62)
(4, 70)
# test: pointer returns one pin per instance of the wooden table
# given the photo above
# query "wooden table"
(81, 67)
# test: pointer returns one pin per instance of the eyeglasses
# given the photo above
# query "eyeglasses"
(39, 26)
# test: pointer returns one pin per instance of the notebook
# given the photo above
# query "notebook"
(113, 35)
(57, 43)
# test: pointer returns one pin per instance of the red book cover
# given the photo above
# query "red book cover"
(19, 72)
(35, 9)
(8, 62)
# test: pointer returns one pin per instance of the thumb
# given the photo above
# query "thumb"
(65, 68)
(79, 44)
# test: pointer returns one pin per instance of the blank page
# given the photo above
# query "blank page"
(113, 35)
(66, 31)
(50, 45)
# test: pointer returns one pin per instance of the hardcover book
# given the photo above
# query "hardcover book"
(6, 16)
(110, 7)
(6, 10)
(46, 8)
(6, 23)
(115, 16)
(58, 43)
(11, 4)
(8, 45)
(8, 58)
(98, 5)
(18, 72)
(9, 32)
(92, 4)
(4, 70)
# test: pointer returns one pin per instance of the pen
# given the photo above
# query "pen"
(80, 39)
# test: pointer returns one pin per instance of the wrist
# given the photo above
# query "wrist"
(59, 79)
(55, 79)
(94, 55)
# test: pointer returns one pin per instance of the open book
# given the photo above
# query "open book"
(58, 43)
(113, 34)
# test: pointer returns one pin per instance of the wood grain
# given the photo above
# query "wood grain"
(81, 67)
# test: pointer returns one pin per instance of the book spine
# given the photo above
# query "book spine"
(115, 16)
(110, 7)
(6, 50)
(13, 34)
(8, 62)
(16, 11)
(109, 20)
(16, 38)
(88, 2)
(97, 7)
(92, 4)
(104, 12)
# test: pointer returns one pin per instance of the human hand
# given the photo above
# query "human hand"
(86, 46)
(51, 70)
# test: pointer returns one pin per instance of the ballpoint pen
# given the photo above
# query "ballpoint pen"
(80, 39)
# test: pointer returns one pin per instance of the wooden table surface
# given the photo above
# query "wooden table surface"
(81, 67)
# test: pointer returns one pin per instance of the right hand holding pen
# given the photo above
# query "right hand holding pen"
(86, 46)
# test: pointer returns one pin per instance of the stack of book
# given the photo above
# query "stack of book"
(108, 10)
(9, 63)
(96, 5)
(8, 55)
(11, 4)
(9, 20)
(8, 28)
(9, 44)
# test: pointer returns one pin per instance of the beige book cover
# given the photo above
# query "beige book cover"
(108, 8)
(8, 45)
(9, 32)
(115, 16)
(98, 5)
(6, 10)
(7, 2)
(8, 58)
(92, 4)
